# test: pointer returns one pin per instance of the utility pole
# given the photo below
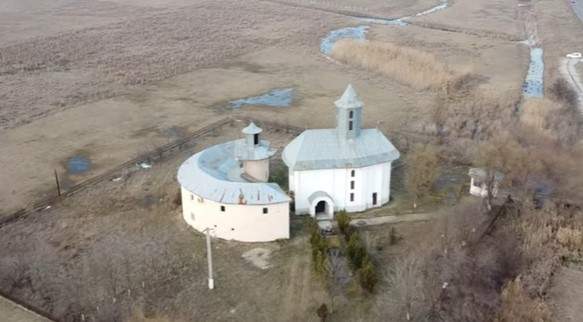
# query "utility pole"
(209, 258)
(58, 183)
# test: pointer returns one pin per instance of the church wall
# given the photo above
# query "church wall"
(336, 183)
(245, 223)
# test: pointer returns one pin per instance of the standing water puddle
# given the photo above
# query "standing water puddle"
(533, 84)
(359, 32)
(282, 97)
(78, 164)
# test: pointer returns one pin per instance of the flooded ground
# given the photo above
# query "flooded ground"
(578, 8)
(282, 97)
(359, 32)
(533, 84)
(78, 164)
(344, 33)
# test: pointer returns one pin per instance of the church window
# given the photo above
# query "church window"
(255, 139)
(350, 125)
(352, 173)
(351, 114)
(352, 184)
(351, 197)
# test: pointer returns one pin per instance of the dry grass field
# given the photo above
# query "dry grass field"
(109, 80)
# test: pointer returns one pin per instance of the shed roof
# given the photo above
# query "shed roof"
(324, 149)
(216, 175)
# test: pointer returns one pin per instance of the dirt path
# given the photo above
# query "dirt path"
(569, 71)
(12, 312)
(392, 219)
(297, 288)
(566, 295)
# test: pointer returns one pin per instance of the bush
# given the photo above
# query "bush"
(563, 92)
(319, 248)
(322, 312)
(344, 223)
(177, 201)
(393, 237)
(355, 251)
(367, 275)
(518, 306)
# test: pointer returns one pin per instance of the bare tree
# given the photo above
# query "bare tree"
(422, 170)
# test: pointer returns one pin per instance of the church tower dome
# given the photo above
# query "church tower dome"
(349, 114)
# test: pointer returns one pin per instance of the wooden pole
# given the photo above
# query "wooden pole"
(58, 184)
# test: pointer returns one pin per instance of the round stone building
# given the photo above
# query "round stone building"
(225, 188)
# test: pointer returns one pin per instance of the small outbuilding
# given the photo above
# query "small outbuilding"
(225, 188)
(479, 179)
(343, 168)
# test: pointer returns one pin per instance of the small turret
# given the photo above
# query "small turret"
(254, 154)
(349, 114)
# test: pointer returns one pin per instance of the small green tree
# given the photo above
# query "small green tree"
(319, 248)
(355, 251)
(393, 237)
(422, 170)
(343, 223)
(367, 275)
(322, 312)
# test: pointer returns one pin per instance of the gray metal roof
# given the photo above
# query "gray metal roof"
(252, 129)
(215, 174)
(249, 152)
(324, 149)
(349, 99)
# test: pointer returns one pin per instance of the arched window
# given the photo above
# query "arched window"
(351, 114)
(350, 126)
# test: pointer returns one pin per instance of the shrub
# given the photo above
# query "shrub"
(355, 251)
(367, 275)
(344, 223)
(177, 201)
(518, 306)
(322, 312)
(319, 248)
(563, 92)
(393, 237)
(570, 238)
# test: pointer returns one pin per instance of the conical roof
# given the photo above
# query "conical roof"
(252, 129)
(349, 99)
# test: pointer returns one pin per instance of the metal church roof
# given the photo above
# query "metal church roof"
(215, 174)
(349, 99)
(252, 129)
(324, 149)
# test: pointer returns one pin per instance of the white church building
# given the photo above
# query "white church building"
(224, 188)
(344, 168)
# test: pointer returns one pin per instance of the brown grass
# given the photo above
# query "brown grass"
(416, 68)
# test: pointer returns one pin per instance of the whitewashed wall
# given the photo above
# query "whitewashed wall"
(259, 169)
(245, 223)
(336, 183)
